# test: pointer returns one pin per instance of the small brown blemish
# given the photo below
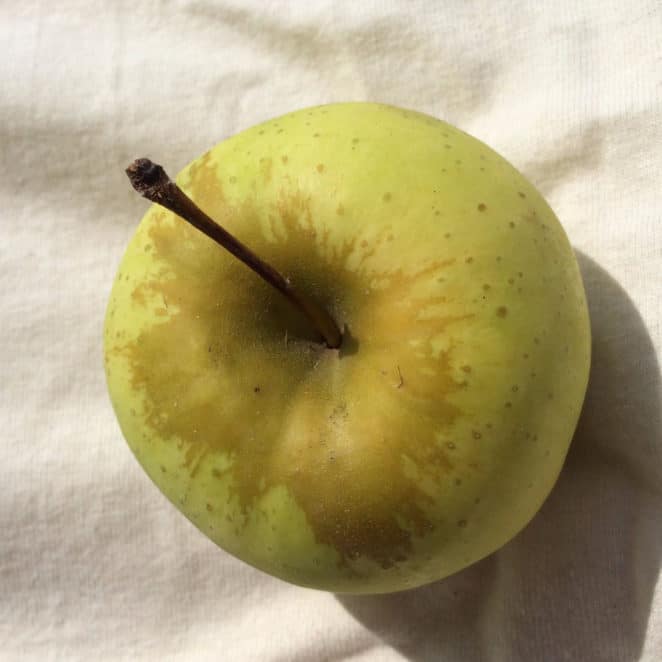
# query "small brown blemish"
(340, 210)
(386, 197)
(515, 388)
(462, 523)
(502, 311)
(233, 180)
(482, 206)
(209, 507)
(508, 405)
(487, 287)
(320, 167)
(511, 224)
(521, 195)
(476, 435)
(466, 368)
(316, 135)
(355, 141)
(284, 159)
(450, 445)
(469, 260)
(256, 389)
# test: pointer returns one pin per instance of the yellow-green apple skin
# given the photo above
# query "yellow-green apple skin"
(440, 426)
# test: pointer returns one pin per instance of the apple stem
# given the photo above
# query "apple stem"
(153, 183)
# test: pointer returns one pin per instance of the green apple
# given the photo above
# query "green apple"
(436, 430)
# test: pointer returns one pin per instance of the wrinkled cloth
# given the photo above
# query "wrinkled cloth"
(95, 564)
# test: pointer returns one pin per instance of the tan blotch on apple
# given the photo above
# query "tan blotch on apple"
(436, 429)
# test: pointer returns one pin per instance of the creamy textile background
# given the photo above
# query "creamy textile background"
(94, 563)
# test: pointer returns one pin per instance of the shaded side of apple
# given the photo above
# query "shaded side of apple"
(437, 430)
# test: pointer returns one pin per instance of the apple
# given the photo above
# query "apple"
(435, 430)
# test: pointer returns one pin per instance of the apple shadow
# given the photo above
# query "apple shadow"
(578, 582)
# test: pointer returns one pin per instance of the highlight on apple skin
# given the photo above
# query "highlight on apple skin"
(436, 430)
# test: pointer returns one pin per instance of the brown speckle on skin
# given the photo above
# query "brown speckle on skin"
(320, 167)
(386, 197)
(462, 523)
(284, 159)
(482, 206)
(502, 311)
(476, 435)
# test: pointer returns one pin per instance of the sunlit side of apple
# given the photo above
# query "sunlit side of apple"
(436, 431)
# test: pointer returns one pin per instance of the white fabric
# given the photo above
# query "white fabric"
(94, 563)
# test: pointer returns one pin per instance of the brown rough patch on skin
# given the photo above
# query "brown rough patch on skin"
(266, 166)
(191, 350)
